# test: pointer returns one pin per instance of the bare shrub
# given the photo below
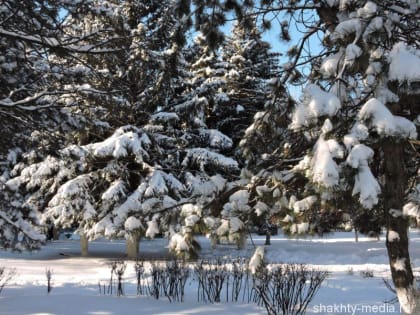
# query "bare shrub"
(288, 288)
(176, 277)
(368, 273)
(140, 276)
(113, 266)
(48, 274)
(168, 280)
(5, 276)
(211, 278)
(117, 269)
(119, 272)
(155, 287)
(239, 278)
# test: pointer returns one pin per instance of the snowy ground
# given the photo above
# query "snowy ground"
(75, 279)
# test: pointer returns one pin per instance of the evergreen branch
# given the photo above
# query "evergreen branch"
(5, 218)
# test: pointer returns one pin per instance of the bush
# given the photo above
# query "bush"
(140, 276)
(281, 289)
(366, 273)
(5, 276)
(168, 280)
(117, 268)
(211, 276)
(48, 274)
(288, 289)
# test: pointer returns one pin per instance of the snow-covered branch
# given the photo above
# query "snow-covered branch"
(56, 44)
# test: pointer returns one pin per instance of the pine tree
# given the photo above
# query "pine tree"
(351, 144)
(30, 33)
(151, 175)
(129, 80)
(356, 125)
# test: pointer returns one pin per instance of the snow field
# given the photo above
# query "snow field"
(75, 279)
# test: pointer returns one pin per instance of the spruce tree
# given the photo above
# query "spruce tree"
(250, 68)
(32, 123)
(153, 174)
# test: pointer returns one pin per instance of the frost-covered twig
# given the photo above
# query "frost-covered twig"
(48, 274)
(5, 276)
(288, 289)
(119, 271)
(139, 269)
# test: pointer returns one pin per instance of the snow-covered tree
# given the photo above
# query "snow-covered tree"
(351, 142)
(141, 62)
(34, 83)
(155, 174)
(367, 114)
(205, 94)
(250, 68)
(132, 184)
(222, 97)
(32, 123)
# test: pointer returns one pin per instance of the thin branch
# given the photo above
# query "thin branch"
(55, 44)
(27, 102)
(306, 37)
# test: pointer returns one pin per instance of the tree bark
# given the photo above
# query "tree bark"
(214, 240)
(133, 242)
(241, 241)
(84, 244)
(267, 238)
(397, 225)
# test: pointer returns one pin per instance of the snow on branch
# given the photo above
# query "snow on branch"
(321, 166)
(304, 204)
(404, 63)
(329, 66)
(216, 139)
(115, 191)
(316, 103)
(367, 187)
(325, 169)
(204, 157)
(346, 28)
(379, 118)
(412, 207)
(125, 140)
(27, 102)
(359, 155)
(54, 43)
(24, 228)
(33, 102)
(164, 117)
(160, 183)
(37, 174)
(203, 185)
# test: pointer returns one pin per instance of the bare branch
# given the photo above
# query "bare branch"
(55, 44)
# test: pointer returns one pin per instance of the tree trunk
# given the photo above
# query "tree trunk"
(397, 225)
(241, 241)
(267, 238)
(214, 240)
(132, 242)
(84, 244)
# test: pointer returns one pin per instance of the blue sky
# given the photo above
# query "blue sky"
(273, 37)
